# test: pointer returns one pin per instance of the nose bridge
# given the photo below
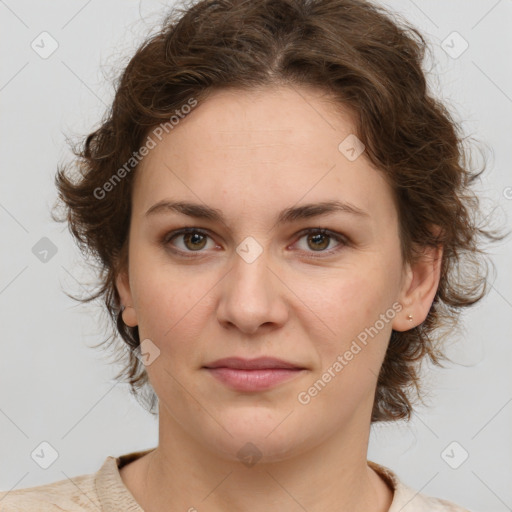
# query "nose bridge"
(250, 296)
(250, 268)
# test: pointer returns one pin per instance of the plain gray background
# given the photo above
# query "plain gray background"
(56, 389)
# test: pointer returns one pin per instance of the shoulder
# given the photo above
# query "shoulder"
(407, 499)
(103, 490)
(77, 494)
(421, 503)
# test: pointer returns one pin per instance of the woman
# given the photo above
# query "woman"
(278, 205)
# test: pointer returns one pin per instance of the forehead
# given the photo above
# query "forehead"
(263, 119)
(260, 147)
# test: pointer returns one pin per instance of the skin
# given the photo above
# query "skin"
(250, 155)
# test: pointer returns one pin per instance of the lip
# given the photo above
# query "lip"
(260, 363)
(253, 374)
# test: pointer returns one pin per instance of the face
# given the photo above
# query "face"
(261, 280)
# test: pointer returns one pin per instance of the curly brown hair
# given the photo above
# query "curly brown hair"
(368, 60)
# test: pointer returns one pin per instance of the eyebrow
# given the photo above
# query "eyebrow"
(292, 214)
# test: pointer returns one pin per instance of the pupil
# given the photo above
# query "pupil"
(315, 237)
(195, 237)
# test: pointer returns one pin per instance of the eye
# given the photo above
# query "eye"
(194, 240)
(319, 239)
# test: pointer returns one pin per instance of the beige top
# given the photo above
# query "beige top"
(105, 491)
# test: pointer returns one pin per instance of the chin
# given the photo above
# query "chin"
(258, 437)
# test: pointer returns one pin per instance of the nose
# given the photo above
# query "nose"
(252, 296)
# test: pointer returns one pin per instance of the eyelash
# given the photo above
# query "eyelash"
(343, 241)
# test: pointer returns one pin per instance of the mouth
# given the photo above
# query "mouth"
(253, 374)
(260, 363)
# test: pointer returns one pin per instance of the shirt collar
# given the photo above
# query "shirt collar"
(110, 487)
(112, 491)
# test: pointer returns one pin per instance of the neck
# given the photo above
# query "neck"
(332, 476)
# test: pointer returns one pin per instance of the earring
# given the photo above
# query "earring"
(123, 307)
(409, 317)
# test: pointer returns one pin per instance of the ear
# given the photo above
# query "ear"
(419, 288)
(129, 313)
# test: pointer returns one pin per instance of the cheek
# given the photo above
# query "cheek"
(173, 306)
(352, 348)
(348, 309)
(354, 299)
